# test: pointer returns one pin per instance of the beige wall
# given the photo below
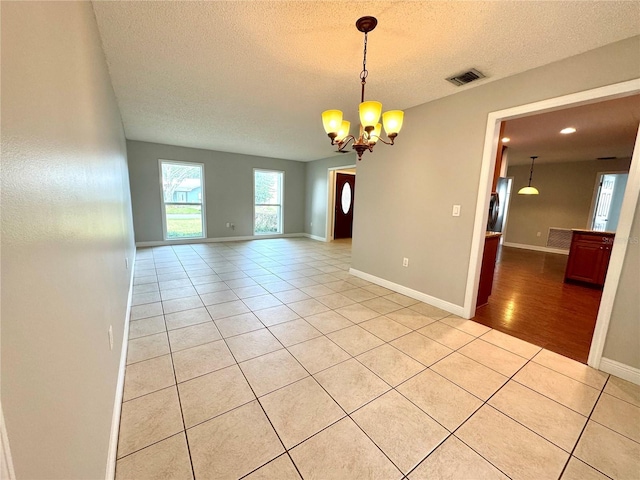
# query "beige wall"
(66, 230)
(228, 189)
(406, 192)
(566, 192)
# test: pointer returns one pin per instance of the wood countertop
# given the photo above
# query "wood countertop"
(592, 232)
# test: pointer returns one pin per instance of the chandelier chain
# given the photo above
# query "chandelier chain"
(365, 72)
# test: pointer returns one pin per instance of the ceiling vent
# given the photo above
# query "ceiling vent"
(606, 158)
(465, 77)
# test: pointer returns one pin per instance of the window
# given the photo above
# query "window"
(182, 200)
(267, 192)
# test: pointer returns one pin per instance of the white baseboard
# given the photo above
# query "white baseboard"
(536, 248)
(315, 237)
(409, 292)
(160, 243)
(117, 403)
(6, 469)
(631, 374)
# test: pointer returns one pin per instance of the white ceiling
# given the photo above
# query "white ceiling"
(603, 129)
(253, 76)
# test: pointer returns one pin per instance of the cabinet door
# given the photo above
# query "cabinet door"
(585, 261)
(603, 266)
(487, 271)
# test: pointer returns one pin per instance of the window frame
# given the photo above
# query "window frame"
(281, 205)
(163, 203)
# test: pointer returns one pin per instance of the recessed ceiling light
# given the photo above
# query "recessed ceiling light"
(506, 139)
(568, 130)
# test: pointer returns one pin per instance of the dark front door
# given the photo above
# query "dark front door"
(343, 208)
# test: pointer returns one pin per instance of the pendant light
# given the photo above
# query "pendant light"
(338, 129)
(529, 190)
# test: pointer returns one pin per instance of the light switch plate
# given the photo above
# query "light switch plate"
(456, 211)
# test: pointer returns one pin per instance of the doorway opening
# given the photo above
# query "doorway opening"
(341, 202)
(630, 198)
(541, 292)
(607, 201)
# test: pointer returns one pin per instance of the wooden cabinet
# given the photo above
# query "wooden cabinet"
(589, 257)
(499, 155)
(491, 243)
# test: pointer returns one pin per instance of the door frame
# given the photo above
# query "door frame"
(331, 197)
(507, 205)
(629, 202)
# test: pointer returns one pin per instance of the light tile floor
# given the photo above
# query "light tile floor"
(267, 359)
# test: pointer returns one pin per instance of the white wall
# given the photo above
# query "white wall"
(66, 230)
(406, 192)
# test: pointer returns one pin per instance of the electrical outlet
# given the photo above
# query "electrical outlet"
(228, 225)
(405, 262)
(311, 224)
(111, 337)
(539, 234)
(456, 211)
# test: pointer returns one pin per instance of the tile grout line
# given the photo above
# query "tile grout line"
(511, 378)
(184, 425)
(614, 431)
(452, 433)
(582, 432)
(257, 399)
(347, 415)
(175, 378)
(484, 402)
(355, 356)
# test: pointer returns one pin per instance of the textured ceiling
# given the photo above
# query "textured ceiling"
(253, 76)
(603, 129)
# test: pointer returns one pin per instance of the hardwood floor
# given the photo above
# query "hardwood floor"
(530, 301)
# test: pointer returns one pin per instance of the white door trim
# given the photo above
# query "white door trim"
(331, 197)
(618, 252)
(608, 92)
(6, 461)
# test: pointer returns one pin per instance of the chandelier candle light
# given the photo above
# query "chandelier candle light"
(338, 129)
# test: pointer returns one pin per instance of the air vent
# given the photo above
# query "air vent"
(465, 77)
(606, 158)
(559, 238)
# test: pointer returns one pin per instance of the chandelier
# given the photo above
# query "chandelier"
(370, 129)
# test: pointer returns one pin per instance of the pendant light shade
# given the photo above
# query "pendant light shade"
(332, 121)
(392, 122)
(370, 112)
(529, 190)
(344, 130)
(375, 135)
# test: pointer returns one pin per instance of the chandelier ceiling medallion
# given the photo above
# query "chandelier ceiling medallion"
(370, 129)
